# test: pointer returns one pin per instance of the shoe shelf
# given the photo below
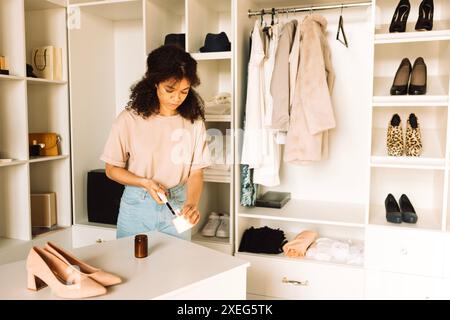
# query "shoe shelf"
(314, 212)
(429, 219)
(424, 188)
(437, 94)
(198, 237)
(440, 32)
(433, 154)
(212, 55)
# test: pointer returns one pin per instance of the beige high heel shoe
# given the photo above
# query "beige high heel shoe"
(64, 280)
(104, 278)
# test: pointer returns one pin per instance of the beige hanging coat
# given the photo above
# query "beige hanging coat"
(312, 112)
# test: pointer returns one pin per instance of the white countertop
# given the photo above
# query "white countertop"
(172, 265)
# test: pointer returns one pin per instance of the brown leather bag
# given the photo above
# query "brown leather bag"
(48, 141)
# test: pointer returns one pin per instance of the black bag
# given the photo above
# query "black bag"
(262, 240)
(177, 39)
(103, 197)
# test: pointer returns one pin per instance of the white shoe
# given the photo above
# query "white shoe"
(209, 230)
(223, 231)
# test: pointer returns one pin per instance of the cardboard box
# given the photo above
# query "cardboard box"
(43, 209)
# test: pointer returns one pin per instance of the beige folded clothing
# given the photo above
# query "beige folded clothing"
(301, 243)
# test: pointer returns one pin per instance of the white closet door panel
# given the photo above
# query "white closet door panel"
(386, 285)
(447, 256)
(303, 280)
(407, 251)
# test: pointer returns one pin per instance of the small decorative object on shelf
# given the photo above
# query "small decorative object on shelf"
(3, 66)
(273, 199)
(43, 209)
(35, 149)
(30, 71)
(49, 144)
(47, 62)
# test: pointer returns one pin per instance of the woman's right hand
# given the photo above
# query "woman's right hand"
(153, 187)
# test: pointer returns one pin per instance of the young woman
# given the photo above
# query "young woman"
(158, 144)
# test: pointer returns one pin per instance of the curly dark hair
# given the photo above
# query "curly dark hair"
(164, 63)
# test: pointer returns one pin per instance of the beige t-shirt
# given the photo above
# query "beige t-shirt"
(163, 148)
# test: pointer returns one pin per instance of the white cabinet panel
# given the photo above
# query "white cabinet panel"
(406, 251)
(86, 235)
(387, 285)
(447, 256)
(303, 280)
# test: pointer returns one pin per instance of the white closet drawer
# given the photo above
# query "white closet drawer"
(388, 285)
(86, 235)
(303, 280)
(406, 251)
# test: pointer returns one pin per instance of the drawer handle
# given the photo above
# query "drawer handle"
(99, 240)
(295, 283)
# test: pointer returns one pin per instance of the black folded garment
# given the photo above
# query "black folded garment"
(262, 240)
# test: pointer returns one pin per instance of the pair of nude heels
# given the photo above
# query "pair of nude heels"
(65, 274)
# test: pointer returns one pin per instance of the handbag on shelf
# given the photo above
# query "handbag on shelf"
(49, 142)
(47, 62)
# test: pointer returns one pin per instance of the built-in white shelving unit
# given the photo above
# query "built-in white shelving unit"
(30, 105)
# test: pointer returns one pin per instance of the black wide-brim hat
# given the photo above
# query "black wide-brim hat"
(216, 42)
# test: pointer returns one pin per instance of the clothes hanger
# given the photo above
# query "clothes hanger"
(268, 29)
(262, 17)
(273, 15)
(341, 28)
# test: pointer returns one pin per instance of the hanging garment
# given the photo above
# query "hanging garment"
(267, 173)
(249, 190)
(252, 143)
(259, 149)
(280, 83)
(294, 57)
(312, 111)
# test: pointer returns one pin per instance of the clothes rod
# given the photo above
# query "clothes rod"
(308, 8)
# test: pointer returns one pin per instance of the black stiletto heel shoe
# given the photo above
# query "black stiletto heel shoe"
(398, 23)
(393, 213)
(426, 12)
(409, 215)
(401, 79)
(418, 83)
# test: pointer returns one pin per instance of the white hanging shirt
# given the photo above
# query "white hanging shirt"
(254, 105)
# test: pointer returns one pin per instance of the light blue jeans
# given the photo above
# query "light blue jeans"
(140, 213)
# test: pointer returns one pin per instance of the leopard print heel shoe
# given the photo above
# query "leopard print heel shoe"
(413, 143)
(394, 141)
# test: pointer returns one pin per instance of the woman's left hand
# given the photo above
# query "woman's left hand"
(190, 212)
